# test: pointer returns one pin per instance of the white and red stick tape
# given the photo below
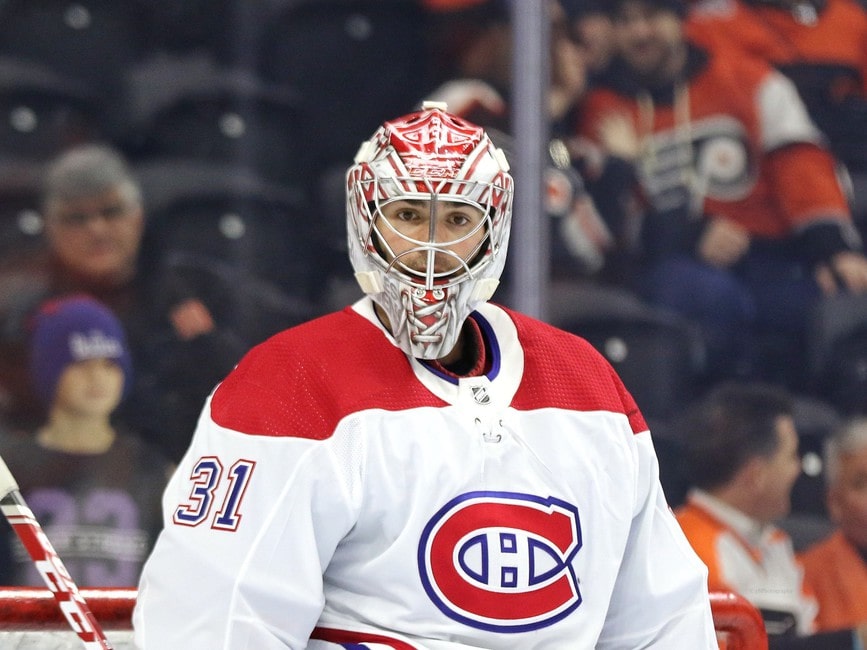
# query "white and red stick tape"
(48, 564)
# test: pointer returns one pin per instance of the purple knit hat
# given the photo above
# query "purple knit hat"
(74, 329)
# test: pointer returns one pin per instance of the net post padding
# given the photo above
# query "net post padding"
(738, 622)
(32, 608)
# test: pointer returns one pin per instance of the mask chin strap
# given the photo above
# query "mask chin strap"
(371, 282)
(483, 289)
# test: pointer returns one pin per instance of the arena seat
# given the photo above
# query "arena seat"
(837, 348)
(658, 355)
(42, 112)
(348, 60)
(228, 213)
(20, 219)
(91, 42)
(815, 420)
(203, 25)
(26, 610)
(188, 107)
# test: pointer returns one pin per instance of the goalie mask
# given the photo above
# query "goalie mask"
(429, 208)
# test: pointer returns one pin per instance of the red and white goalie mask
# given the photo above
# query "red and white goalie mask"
(429, 209)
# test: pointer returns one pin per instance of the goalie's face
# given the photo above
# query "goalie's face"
(435, 240)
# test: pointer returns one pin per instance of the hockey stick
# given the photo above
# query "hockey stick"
(71, 603)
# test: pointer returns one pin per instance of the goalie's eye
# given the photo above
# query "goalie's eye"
(460, 219)
(406, 216)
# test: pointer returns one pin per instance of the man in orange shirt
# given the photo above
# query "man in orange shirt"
(837, 566)
(742, 458)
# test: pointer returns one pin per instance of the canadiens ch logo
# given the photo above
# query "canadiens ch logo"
(502, 561)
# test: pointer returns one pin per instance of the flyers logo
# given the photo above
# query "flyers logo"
(501, 561)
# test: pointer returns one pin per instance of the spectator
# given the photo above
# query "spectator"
(479, 88)
(94, 221)
(91, 482)
(477, 64)
(741, 450)
(743, 225)
(821, 45)
(837, 566)
(592, 29)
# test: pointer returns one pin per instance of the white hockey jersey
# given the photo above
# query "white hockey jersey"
(340, 494)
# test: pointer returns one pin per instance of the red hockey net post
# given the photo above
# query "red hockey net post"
(739, 625)
(33, 608)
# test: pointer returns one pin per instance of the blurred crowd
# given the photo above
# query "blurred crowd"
(180, 166)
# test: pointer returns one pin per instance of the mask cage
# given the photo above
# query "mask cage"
(380, 192)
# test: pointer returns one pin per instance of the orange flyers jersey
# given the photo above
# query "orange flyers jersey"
(742, 147)
(838, 575)
(833, 39)
(763, 570)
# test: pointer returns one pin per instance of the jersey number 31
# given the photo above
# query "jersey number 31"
(207, 487)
